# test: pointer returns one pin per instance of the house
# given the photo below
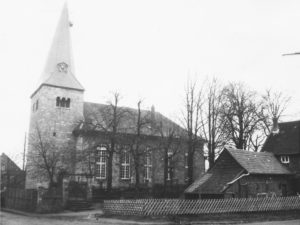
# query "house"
(11, 175)
(61, 118)
(284, 143)
(243, 174)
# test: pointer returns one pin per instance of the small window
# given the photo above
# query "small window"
(68, 103)
(58, 102)
(285, 159)
(63, 102)
(37, 105)
(54, 134)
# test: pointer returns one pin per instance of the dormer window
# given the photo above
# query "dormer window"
(285, 159)
(63, 102)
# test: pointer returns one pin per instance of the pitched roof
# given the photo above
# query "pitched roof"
(96, 114)
(214, 180)
(231, 164)
(258, 162)
(287, 141)
(59, 68)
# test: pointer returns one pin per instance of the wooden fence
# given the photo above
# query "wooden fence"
(144, 207)
(25, 200)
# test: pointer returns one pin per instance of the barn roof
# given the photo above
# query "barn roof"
(98, 116)
(231, 164)
(258, 162)
(286, 142)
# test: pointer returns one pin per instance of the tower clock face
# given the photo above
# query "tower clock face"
(62, 67)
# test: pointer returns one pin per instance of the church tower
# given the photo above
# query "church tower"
(56, 104)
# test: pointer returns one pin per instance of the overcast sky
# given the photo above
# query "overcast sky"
(147, 49)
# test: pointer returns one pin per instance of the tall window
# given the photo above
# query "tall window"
(125, 165)
(169, 175)
(101, 159)
(148, 166)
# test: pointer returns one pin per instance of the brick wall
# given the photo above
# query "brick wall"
(179, 175)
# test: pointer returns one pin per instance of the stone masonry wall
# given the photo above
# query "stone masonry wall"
(55, 123)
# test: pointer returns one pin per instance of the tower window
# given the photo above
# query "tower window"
(68, 101)
(35, 106)
(57, 101)
(63, 102)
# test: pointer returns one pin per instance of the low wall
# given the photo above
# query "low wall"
(145, 207)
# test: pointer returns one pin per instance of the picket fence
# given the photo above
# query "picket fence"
(147, 207)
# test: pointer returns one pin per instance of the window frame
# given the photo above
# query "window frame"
(125, 165)
(101, 164)
(169, 166)
(285, 159)
(148, 166)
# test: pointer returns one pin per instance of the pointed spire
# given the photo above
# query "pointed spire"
(59, 68)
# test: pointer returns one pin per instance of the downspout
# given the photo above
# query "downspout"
(233, 181)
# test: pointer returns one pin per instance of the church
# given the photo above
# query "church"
(102, 145)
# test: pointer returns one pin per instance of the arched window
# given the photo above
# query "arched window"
(57, 101)
(101, 162)
(63, 102)
(148, 166)
(68, 102)
(125, 165)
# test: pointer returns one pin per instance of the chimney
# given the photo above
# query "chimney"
(275, 128)
(152, 113)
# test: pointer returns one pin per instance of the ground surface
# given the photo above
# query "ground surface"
(81, 218)
(7, 218)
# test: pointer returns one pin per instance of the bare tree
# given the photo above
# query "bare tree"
(211, 120)
(170, 142)
(275, 103)
(192, 123)
(242, 114)
(47, 160)
(107, 122)
(140, 122)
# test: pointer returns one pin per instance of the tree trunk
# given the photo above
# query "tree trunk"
(109, 170)
(190, 162)
(137, 175)
(211, 154)
(165, 170)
